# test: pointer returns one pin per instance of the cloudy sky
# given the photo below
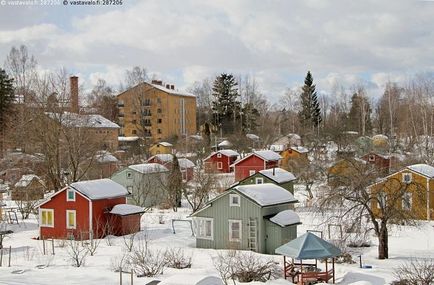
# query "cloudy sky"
(183, 41)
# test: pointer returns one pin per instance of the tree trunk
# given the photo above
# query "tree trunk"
(383, 242)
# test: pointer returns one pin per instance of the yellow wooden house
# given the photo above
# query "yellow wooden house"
(294, 157)
(416, 186)
(344, 170)
(161, 148)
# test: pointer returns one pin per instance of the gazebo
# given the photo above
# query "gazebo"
(308, 246)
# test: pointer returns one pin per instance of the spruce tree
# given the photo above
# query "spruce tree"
(6, 100)
(310, 114)
(225, 105)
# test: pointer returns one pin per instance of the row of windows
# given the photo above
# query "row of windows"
(46, 218)
(406, 202)
(205, 229)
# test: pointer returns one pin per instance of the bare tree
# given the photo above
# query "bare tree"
(416, 271)
(146, 261)
(77, 252)
(197, 191)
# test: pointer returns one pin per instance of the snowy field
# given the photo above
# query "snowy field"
(405, 242)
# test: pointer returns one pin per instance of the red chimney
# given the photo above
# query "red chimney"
(73, 85)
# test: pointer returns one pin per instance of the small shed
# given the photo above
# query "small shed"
(161, 148)
(29, 187)
(255, 162)
(276, 175)
(308, 247)
(220, 160)
(126, 219)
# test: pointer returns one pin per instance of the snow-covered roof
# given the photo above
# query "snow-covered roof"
(196, 137)
(225, 143)
(277, 147)
(300, 149)
(25, 180)
(210, 280)
(105, 156)
(100, 189)
(171, 91)
(285, 218)
(380, 137)
(4, 187)
(252, 137)
(228, 152)
(423, 169)
(268, 155)
(128, 139)
(266, 194)
(278, 174)
(166, 144)
(185, 163)
(148, 168)
(82, 120)
(163, 157)
(125, 209)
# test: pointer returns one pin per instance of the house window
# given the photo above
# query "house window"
(134, 132)
(204, 228)
(47, 217)
(219, 165)
(234, 200)
(158, 110)
(158, 100)
(235, 230)
(159, 131)
(371, 157)
(129, 175)
(70, 219)
(70, 195)
(219, 155)
(160, 121)
(130, 189)
(407, 201)
(407, 178)
(251, 172)
(259, 180)
(381, 200)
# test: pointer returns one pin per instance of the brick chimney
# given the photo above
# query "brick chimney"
(73, 85)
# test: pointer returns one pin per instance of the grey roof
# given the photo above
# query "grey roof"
(105, 156)
(268, 155)
(25, 180)
(423, 169)
(149, 168)
(185, 163)
(125, 210)
(82, 120)
(285, 218)
(278, 174)
(308, 246)
(100, 189)
(266, 194)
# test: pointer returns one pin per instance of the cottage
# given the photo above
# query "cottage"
(161, 148)
(294, 157)
(254, 162)
(145, 182)
(276, 175)
(185, 165)
(247, 217)
(417, 181)
(344, 170)
(220, 160)
(383, 162)
(30, 187)
(104, 166)
(87, 209)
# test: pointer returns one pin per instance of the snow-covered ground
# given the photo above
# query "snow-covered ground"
(405, 242)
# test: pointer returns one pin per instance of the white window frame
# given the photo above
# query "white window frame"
(407, 196)
(252, 172)
(382, 198)
(231, 203)
(219, 155)
(219, 165)
(201, 228)
(259, 179)
(405, 174)
(129, 175)
(130, 189)
(68, 226)
(67, 195)
(40, 217)
(240, 222)
(371, 157)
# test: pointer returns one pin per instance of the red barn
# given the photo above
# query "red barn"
(88, 208)
(221, 161)
(380, 161)
(185, 165)
(255, 162)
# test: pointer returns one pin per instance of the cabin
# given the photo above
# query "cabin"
(380, 161)
(161, 148)
(145, 182)
(87, 209)
(185, 165)
(29, 188)
(294, 157)
(278, 176)
(247, 217)
(220, 161)
(417, 183)
(105, 164)
(255, 162)
(344, 170)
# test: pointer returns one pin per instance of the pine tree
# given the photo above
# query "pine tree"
(6, 99)
(310, 114)
(226, 104)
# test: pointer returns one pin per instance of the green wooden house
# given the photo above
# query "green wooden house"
(247, 217)
(145, 182)
(278, 176)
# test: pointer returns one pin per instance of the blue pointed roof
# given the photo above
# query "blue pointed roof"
(308, 246)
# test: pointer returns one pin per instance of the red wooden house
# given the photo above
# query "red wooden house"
(185, 165)
(380, 161)
(255, 162)
(88, 208)
(221, 161)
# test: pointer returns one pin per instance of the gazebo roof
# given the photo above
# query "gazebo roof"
(308, 246)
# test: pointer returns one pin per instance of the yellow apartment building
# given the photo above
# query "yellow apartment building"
(156, 111)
